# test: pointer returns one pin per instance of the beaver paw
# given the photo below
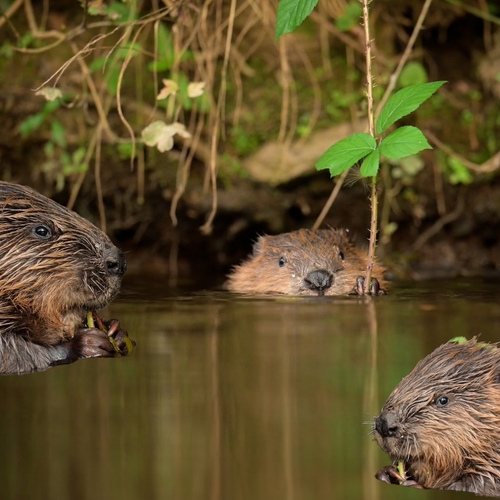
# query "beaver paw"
(359, 288)
(109, 340)
(391, 475)
(118, 337)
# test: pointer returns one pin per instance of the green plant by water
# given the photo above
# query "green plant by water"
(381, 141)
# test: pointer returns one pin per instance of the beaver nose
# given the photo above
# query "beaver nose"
(318, 280)
(116, 263)
(386, 425)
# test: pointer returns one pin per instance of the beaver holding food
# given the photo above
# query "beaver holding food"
(54, 267)
(441, 424)
(305, 262)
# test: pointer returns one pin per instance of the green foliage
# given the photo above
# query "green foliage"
(404, 141)
(62, 163)
(6, 50)
(244, 142)
(25, 40)
(413, 74)
(291, 13)
(126, 149)
(33, 122)
(404, 102)
(111, 65)
(118, 12)
(400, 143)
(166, 52)
(455, 171)
(350, 16)
(458, 340)
(370, 165)
(345, 153)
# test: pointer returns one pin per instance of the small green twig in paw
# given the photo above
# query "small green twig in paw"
(95, 321)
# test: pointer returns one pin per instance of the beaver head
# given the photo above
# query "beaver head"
(303, 262)
(54, 266)
(443, 419)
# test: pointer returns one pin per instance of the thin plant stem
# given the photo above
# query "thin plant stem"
(374, 192)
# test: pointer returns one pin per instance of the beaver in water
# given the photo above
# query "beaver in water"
(305, 262)
(54, 267)
(441, 424)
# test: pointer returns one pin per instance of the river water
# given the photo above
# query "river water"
(232, 398)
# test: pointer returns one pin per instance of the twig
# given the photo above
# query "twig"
(95, 95)
(476, 12)
(207, 227)
(9, 13)
(331, 199)
(488, 166)
(406, 54)
(440, 223)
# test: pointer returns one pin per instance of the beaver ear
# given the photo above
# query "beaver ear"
(258, 246)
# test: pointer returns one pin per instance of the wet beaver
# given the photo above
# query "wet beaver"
(54, 266)
(305, 262)
(441, 424)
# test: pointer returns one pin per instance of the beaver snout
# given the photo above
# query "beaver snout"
(116, 264)
(319, 280)
(386, 425)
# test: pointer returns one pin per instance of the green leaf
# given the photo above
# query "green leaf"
(50, 107)
(404, 141)
(350, 16)
(58, 133)
(97, 64)
(128, 49)
(26, 127)
(405, 102)
(345, 153)
(112, 77)
(457, 172)
(291, 13)
(120, 13)
(413, 74)
(371, 164)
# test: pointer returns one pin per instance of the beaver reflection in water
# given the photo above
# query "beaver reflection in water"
(305, 262)
(54, 267)
(441, 424)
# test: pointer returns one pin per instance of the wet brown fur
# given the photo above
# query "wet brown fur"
(455, 447)
(305, 250)
(47, 285)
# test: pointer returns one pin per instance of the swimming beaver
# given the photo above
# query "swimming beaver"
(441, 424)
(305, 262)
(54, 266)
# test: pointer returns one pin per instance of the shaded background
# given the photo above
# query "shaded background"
(269, 110)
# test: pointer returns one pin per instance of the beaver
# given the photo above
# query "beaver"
(305, 262)
(441, 424)
(54, 267)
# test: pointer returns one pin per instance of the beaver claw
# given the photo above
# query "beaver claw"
(391, 475)
(109, 340)
(359, 288)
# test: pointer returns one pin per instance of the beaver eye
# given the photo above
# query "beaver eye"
(282, 261)
(341, 255)
(441, 401)
(42, 231)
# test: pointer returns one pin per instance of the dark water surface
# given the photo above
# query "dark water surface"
(232, 398)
